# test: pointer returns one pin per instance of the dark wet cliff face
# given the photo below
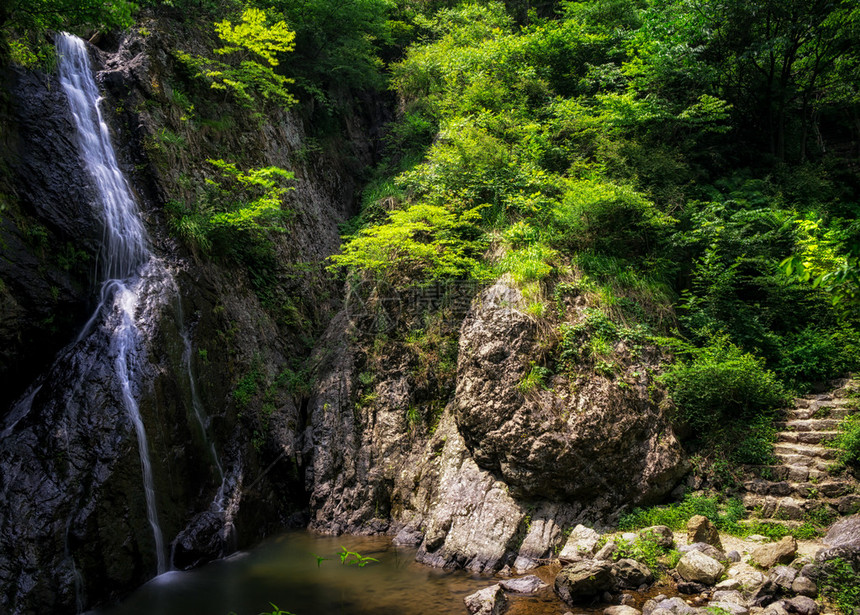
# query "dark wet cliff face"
(49, 232)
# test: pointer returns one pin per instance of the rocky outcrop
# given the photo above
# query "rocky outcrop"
(475, 494)
(555, 445)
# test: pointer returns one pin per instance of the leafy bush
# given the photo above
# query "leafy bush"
(237, 212)
(848, 442)
(720, 382)
(645, 550)
(608, 219)
(841, 584)
(421, 242)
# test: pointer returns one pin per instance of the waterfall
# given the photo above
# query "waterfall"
(124, 248)
(202, 418)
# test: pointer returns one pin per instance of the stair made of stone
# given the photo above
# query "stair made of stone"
(801, 484)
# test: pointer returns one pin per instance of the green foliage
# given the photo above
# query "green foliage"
(608, 219)
(847, 442)
(645, 550)
(275, 610)
(719, 383)
(237, 212)
(32, 52)
(254, 36)
(248, 387)
(58, 14)
(728, 517)
(339, 42)
(252, 46)
(420, 242)
(536, 378)
(841, 584)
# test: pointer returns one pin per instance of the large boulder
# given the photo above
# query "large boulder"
(605, 445)
(769, 555)
(488, 601)
(844, 533)
(703, 547)
(584, 580)
(696, 567)
(700, 529)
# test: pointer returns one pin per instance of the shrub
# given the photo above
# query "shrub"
(848, 442)
(841, 583)
(422, 242)
(719, 383)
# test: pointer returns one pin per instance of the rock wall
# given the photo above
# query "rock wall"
(505, 474)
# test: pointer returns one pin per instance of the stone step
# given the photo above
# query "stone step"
(789, 508)
(805, 490)
(808, 425)
(792, 473)
(832, 410)
(812, 463)
(803, 450)
(806, 437)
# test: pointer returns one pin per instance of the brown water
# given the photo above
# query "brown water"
(284, 571)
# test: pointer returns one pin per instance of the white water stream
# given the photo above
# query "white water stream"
(123, 252)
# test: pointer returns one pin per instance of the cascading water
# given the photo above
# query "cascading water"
(124, 248)
(202, 418)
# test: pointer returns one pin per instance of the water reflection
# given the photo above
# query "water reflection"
(284, 571)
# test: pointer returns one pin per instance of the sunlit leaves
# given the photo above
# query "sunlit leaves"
(253, 35)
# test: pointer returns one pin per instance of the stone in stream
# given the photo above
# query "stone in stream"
(488, 601)
(584, 580)
(621, 610)
(631, 574)
(523, 585)
(700, 529)
(769, 555)
(697, 567)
